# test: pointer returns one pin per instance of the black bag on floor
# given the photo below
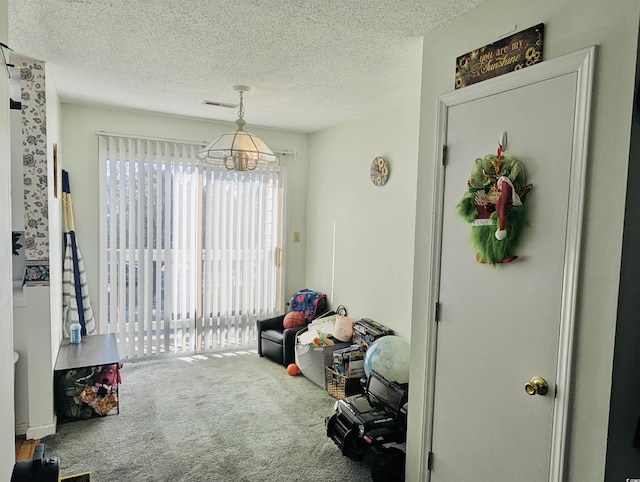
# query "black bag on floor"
(38, 469)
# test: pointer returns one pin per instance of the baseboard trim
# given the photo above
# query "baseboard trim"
(21, 429)
(42, 430)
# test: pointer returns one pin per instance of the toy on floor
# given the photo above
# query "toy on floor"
(69, 388)
(370, 422)
(107, 378)
(102, 395)
(293, 369)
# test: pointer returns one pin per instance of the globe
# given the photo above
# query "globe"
(389, 356)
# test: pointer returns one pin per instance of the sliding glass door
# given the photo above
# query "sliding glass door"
(191, 253)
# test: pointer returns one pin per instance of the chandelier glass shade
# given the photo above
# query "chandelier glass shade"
(239, 150)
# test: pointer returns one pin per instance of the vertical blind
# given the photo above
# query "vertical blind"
(190, 253)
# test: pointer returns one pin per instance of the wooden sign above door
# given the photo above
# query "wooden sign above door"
(514, 52)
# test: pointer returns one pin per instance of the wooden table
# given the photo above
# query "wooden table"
(94, 351)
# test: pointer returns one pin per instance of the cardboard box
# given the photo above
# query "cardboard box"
(366, 331)
(349, 362)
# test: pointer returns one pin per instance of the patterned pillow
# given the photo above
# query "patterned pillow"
(307, 301)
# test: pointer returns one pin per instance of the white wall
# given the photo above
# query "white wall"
(374, 226)
(37, 310)
(7, 448)
(40, 360)
(80, 158)
(56, 248)
(569, 26)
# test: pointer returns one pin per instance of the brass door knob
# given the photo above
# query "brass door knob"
(536, 386)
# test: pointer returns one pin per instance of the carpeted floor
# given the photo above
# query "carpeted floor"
(237, 418)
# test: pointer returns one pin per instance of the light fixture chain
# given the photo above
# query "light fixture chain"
(241, 110)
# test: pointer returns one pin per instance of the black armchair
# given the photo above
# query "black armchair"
(277, 342)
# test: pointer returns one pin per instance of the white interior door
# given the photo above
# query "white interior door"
(500, 326)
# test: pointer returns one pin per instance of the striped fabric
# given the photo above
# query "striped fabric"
(76, 306)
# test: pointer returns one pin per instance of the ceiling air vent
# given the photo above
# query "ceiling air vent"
(215, 103)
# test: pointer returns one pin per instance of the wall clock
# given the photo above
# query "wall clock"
(379, 171)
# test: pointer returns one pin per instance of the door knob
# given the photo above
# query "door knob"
(536, 386)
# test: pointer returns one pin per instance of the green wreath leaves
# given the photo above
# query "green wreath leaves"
(494, 205)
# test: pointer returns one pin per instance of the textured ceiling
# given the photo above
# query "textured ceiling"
(311, 64)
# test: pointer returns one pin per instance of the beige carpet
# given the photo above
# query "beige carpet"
(226, 418)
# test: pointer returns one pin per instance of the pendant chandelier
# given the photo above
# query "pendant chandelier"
(239, 150)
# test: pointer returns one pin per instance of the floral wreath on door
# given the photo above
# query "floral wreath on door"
(494, 205)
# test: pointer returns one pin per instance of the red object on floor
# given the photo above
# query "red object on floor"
(293, 369)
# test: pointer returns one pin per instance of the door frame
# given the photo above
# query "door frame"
(582, 63)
